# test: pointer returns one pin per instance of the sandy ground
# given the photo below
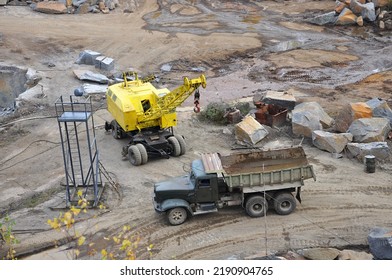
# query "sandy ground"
(245, 48)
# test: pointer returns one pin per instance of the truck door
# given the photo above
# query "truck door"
(206, 190)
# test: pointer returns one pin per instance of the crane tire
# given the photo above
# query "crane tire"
(256, 206)
(182, 143)
(143, 152)
(175, 146)
(284, 203)
(134, 156)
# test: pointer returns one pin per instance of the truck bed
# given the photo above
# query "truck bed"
(260, 168)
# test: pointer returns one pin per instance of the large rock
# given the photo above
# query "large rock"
(308, 117)
(380, 243)
(380, 109)
(367, 11)
(346, 17)
(380, 3)
(378, 149)
(32, 78)
(104, 63)
(86, 75)
(328, 18)
(49, 7)
(354, 255)
(320, 253)
(87, 57)
(331, 142)
(94, 89)
(3, 2)
(249, 131)
(368, 130)
(350, 113)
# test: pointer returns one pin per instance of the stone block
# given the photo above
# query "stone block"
(249, 131)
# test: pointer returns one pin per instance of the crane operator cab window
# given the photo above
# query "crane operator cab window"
(146, 104)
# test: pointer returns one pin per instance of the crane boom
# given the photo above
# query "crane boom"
(170, 101)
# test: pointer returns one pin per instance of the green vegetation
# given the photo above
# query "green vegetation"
(215, 112)
(7, 237)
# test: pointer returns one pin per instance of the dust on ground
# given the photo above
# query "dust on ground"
(245, 48)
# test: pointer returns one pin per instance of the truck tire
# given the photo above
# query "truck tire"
(182, 143)
(256, 206)
(175, 146)
(177, 216)
(284, 203)
(143, 152)
(134, 156)
(116, 130)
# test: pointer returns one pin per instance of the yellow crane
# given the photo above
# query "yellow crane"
(147, 115)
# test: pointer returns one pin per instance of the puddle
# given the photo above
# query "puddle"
(12, 84)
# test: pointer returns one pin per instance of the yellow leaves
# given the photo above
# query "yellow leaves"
(81, 240)
(55, 224)
(104, 254)
(68, 219)
(75, 211)
(125, 244)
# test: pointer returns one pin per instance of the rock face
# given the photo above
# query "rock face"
(350, 113)
(380, 243)
(331, 142)
(249, 131)
(50, 7)
(308, 117)
(366, 130)
(378, 149)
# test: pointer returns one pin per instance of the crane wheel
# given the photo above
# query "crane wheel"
(134, 156)
(182, 143)
(175, 146)
(143, 152)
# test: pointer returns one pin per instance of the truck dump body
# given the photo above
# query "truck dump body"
(260, 168)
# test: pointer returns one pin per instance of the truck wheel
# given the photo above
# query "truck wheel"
(143, 153)
(182, 143)
(256, 206)
(134, 156)
(177, 216)
(175, 146)
(116, 132)
(284, 203)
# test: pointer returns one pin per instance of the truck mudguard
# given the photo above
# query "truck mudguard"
(173, 203)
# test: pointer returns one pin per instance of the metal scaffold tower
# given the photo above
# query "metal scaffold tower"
(80, 151)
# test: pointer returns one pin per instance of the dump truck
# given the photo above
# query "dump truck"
(257, 180)
(147, 115)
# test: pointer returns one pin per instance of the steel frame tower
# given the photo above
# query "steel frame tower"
(80, 151)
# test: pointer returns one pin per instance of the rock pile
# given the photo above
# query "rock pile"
(75, 6)
(362, 128)
(358, 12)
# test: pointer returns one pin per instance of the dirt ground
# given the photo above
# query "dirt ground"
(245, 47)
